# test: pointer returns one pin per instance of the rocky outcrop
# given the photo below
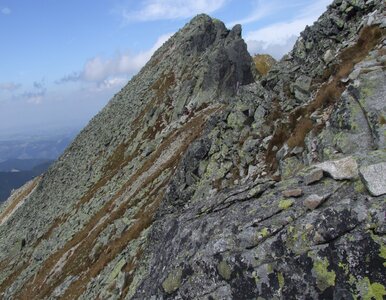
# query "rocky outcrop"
(374, 177)
(197, 182)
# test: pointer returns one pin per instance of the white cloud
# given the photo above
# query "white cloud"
(110, 72)
(37, 95)
(6, 11)
(34, 98)
(263, 9)
(278, 38)
(172, 9)
(275, 50)
(9, 86)
(279, 33)
(110, 83)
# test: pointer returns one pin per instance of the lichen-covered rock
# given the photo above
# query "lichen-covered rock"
(172, 282)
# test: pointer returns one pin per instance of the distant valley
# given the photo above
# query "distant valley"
(25, 157)
(12, 178)
(38, 148)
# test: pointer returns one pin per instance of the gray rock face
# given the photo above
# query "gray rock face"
(345, 168)
(313, 176)
(374, 177)
(293, 193)
(193, 182)
(313, 201)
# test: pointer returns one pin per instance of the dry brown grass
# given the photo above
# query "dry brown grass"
(280, 135)
(80, 263)
(263, 63)
(12, 277)
(164, 84)
(85, 238)
(303, 127)
(300, 124)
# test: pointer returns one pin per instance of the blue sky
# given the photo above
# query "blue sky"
(61, 61)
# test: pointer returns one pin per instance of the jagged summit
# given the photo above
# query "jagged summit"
(198, 182)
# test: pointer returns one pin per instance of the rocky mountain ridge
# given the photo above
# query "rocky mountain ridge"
(199, 182)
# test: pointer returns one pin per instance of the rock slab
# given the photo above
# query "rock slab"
(374, 178)
(292, 193)
(341, 169)
(313, 201)
(313, 176)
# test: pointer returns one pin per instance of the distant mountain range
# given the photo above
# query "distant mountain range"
(17, 165)
(32, 149)
(23, 157)
(15, 172)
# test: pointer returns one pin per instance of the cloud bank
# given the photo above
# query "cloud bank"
(9, 86)
(110, 72)
(278, 39)
(37, 94)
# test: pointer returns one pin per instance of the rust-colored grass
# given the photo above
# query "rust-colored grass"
(382, 120)
(303, 127)
(80, 262)
(12, 277)
(263, 63)
(164, 84)
(329, 93)
(88, 234)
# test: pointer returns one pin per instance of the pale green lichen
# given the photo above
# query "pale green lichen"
(367, 90)
(285, 203)
(254, 191)
(382, 253)
(116, 270)
(280, 279)
(382, 247)
(235, 120)
(256, 277)
(224, 270)
(359, 186)
(344, 267)
(324, 278)
(290, 166)
(263, 233)
(173, 281)
(369, 291)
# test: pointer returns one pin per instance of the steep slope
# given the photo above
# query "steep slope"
(197, 183)
(94, 206)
